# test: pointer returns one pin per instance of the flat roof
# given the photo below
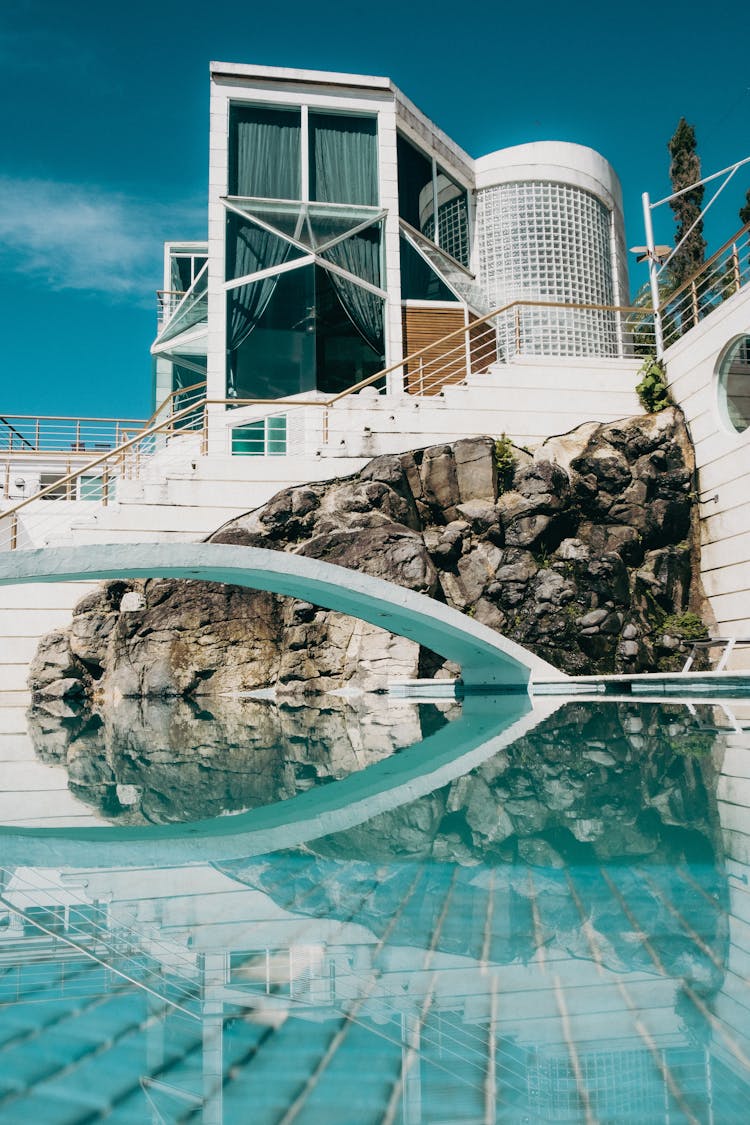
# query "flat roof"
(291, 74)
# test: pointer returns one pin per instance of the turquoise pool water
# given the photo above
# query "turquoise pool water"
(531, 916)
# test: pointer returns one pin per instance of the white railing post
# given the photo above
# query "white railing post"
(652, 274)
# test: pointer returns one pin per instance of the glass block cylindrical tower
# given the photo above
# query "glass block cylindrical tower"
(549, 228)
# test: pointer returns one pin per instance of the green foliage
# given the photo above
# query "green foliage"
(652, 391)
(505, 460)
(684, 170)
(686, 626)
(692, 745)
(745, 209)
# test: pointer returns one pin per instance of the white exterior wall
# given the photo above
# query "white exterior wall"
(388, 183)
(732, 1004)
(26, 614)
(723, 463)
(529, 400)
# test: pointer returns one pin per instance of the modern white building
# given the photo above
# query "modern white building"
(325, 264)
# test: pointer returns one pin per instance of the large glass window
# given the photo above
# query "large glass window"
(424, 186)
(190, 309)
(453, 218)
(419, 282)
(349, 332)
(264, 152)
(414, 175)
(343, 159)
(315, 320)
(184, 268)
(271, 336)
(301, 330)
(251, 248)
(734, 384)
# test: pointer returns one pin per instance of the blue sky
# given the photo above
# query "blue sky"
(104, 119)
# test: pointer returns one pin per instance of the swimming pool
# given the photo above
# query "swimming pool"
(513, 914)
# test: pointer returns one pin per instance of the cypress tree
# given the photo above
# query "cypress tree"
(685, 169)
(745, 209)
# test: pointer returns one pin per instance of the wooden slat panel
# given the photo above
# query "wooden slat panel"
(483, 346)
(423, 327)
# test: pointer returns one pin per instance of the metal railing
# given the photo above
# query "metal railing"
(718, 279)
(167, 301)
(122, 463)
(135, 953)
(37, 434)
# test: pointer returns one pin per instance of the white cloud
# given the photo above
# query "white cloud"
(70, 236)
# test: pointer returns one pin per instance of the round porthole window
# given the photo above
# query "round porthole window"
(734, 384)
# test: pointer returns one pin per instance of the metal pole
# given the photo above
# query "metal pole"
(653, 279)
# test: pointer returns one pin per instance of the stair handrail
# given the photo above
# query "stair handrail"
(110, 455)
(703, 268)
(117, 453)
(170, 398)
(462, 333)
(524, 303)
(465, 329)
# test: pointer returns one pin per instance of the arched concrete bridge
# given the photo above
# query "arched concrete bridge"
(488, 722)
(487, 659)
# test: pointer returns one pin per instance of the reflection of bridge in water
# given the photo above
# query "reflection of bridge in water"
(486, 725)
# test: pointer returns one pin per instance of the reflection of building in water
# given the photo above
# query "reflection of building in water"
(444, 993)
(573, 963)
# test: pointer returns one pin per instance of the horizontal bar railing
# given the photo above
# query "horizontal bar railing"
(108, 466)
(39, 434)
(167, 301)
(723, 275)
(631, 332)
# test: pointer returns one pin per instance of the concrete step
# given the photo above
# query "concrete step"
(14, 677)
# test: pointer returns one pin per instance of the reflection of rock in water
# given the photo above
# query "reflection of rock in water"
(593, 787)
(590, 783)
(158, 761)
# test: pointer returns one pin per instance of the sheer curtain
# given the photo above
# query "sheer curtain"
(360, 255)
(249, 249)
(344, 169)
(343, 159)
(264, 154)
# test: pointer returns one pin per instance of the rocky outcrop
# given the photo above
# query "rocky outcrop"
(581, 552)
